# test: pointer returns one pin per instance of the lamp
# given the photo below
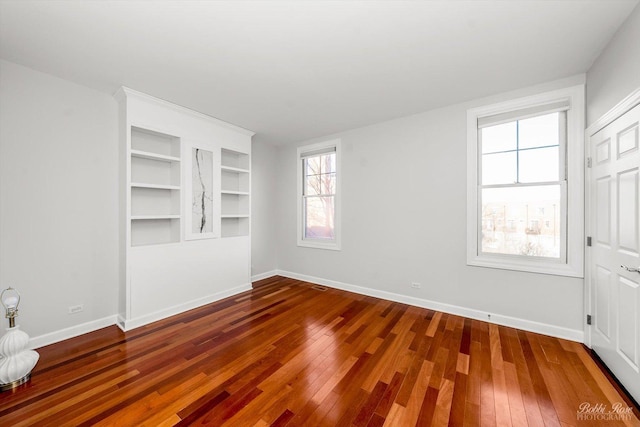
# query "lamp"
(16, 363)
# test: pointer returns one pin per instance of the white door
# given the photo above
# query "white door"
(614, 187)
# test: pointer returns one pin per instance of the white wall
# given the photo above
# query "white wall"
(404, 220)
(263, 215)
(58, 199)
(616, 72)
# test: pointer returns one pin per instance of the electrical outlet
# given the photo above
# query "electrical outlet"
(76, 309)
(415, 285)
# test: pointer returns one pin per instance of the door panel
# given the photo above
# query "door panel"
(628, 211)
(603, 206)
(628, 140)
(603, 151)
(603, 301)
(614, 187)
(628, 325)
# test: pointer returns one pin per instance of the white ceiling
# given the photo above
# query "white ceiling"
(293, 70)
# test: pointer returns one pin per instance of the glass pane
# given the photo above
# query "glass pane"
(312, 165)
(499, 168)
(328, 162)
(521, 221)
(319, 218)
(328, 182)
(539, 131)
(499, 138)
(539, 165)
(313, 185)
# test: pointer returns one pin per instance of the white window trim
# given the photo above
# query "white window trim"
(574, 265)
(334, 244)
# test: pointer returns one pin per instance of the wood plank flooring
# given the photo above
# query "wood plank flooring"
(289, 354)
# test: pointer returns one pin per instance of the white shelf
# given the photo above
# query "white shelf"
(235, 225)
(143, 217)
(236, 193)
(154, 143)
(153, 156)
(235, 216)
(234, 182)
(157, 186)
(154, 171)
(234, 161)
(233, 169)
(155, 230)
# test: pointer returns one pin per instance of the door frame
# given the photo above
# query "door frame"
(632, 100)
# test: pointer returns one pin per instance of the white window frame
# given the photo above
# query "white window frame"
(573, 264)
(333, 244)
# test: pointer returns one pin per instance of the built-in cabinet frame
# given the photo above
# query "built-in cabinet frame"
(166, 264)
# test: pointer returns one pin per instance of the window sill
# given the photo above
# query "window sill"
(319, 244)
(537, 266)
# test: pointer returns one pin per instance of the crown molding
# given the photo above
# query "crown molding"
(124, 92)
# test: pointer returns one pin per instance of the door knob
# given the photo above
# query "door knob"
(631, 269)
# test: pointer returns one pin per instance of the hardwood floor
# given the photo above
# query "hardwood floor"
(288, 353)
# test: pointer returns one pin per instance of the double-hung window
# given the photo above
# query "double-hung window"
(318, 195)
(525, 184)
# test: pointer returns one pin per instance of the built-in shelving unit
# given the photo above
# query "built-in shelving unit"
(155, 184)
(235, 193)
(165, 266)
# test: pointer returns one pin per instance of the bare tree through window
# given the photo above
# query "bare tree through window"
(319, 196)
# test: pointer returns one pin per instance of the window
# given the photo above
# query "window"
(522, 175)
(318, 195)
(525, 170)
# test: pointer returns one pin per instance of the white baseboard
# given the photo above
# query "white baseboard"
(128, 324)
(514, 322)
(71, 332)
(265, 275)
